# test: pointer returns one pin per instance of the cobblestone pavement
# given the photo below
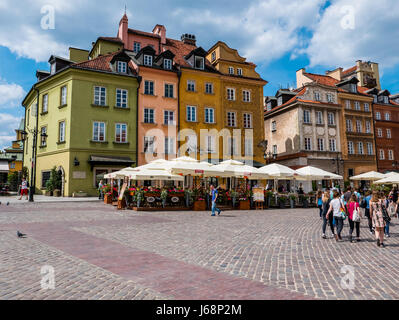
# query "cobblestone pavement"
(101, 253)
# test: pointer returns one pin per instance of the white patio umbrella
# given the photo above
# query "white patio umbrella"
(278, 172)
(391, 178)
(149, 174)
(233, 168)
(121, 173)
(369, 176)
(192, 167)
(313, 173)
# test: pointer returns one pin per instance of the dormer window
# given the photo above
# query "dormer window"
(167, 64)
(199, 63)
(53, 68)
(375, 99)
(280, 101)
(136, 47)
(353, 87)
(386, 100)
(122, 67)
(147, 60)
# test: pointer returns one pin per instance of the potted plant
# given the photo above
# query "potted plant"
(282, 200)
(292, 198)
(139, 197)
(244, 203)
(304, 200)
(164, 196)
(49, 188)
(234, 195)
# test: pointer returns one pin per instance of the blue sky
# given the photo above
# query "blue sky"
(280, 36)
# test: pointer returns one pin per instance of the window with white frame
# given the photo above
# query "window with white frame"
(191, 85)
(389, 134)
(379, 132)
(209, 87)
(308, 144)
(370, 148)
(147, 60)
(209, 115)
(351, 149)
(248, 147)
(349, 127)
(317, 96)
(330, 97)
(390, 155)
(210, 144)
(359, 126)
(61, 136)
(45, 103)
(167, 64)
(199, 63)
(387, 116)
(169, 89)
(53, 68)
(122, 67)
(367, 107)
(231, 70)
(121, 132)
(360, 148)
(368, 126)
(136, 47)
(231, 119)
(169, 146)
(378, 115)
(319, 117)
(43, 131)
(231, 94)
(382, 154)
(247, 117)
(333, 145)
(149, 87)
(149, 144)
(348, 104)
(232, 146)
(274, 149)
(280, 100)
(121, 98)
(191, 113)
(269, 106)
(239, 71)
(149, 115)
(320, 144)
(246, 95)
(98, 131)
(353, 87)
(100, 96)
(357, 105)
(192, 144)
(273, 126)
(64, 92)
(331, 118)
(375, 98)
(168, 117)
(386, 99)
(306, 116)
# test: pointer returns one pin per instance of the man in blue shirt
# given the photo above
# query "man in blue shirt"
(214, 198)
(367, 211)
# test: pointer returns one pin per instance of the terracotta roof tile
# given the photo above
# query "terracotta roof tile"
(325, 80)
(180, 50)
(143, 33)
(293, 99)
(113, 39)
(350, 70)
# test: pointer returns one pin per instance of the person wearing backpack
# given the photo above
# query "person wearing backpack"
(354, 217)
(337, 208)
(377, 218)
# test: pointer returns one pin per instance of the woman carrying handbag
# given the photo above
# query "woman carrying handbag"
(377, 218)
(338, 210)
(354, 217)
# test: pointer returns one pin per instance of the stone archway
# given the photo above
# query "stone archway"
(61, 170)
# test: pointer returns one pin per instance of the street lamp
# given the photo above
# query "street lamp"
(43, 138)
(269, 157)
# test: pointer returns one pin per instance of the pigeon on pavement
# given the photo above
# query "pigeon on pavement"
(20, 235)
(8, 203)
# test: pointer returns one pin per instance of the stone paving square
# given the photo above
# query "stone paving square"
(98, 252)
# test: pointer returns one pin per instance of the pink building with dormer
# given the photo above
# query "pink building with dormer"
(158, 92)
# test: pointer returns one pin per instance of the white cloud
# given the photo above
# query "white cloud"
(8, 123)
(374, 36)
(10, 94)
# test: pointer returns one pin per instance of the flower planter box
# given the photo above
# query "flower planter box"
(244, 205)
(199, 205)
(121, 204)
(108, 199)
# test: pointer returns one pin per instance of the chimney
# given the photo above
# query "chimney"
(300, 78)
(161, 31)
(336, 74)
(122, 31)
(188, 39)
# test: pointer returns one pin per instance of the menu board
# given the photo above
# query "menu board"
(258, 194)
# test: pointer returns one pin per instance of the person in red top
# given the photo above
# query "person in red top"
(354, 219)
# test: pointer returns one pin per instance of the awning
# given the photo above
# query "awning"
(4, 166)
(110, 161)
